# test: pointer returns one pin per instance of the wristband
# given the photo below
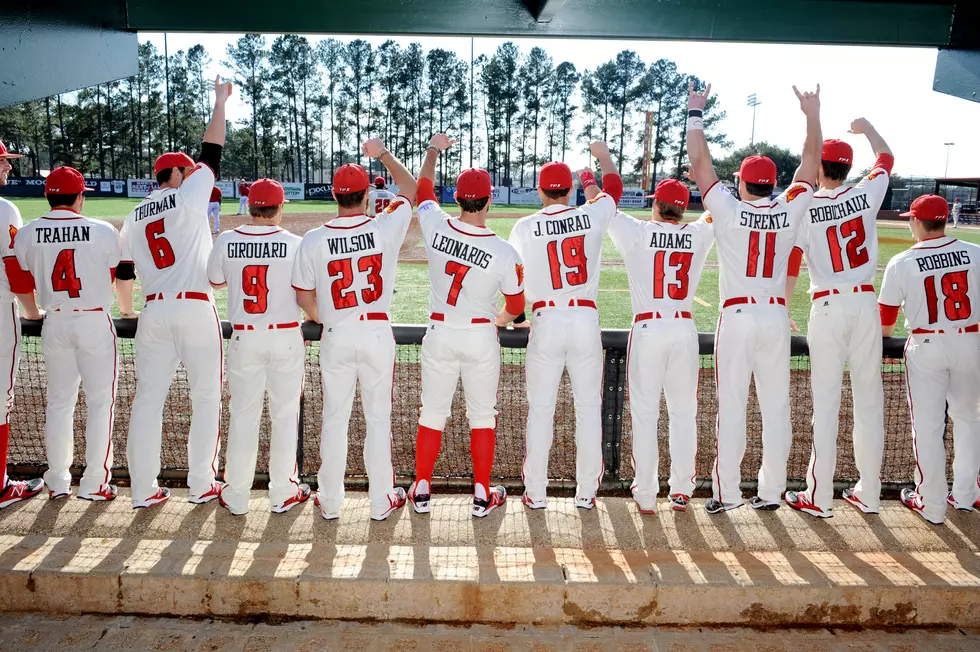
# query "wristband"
(520, 319)
(695, 113)
(588, 179)
(433, 148)
(695, 121)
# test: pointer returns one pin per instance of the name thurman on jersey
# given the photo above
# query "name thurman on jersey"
(463, 251)
(571, 224)
(943, 260)
(257, 250)
(856, 204)
(351, 244)
(58, 234)
(150, 209)
(764, 221)
(670, 240)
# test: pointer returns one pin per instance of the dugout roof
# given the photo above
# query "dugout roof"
(58, 45)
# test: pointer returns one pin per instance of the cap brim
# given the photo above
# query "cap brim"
(9, 155)
(909, 214)
(649, 196)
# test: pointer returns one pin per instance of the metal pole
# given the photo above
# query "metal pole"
(752, 140)
(472, 125)
(166, 67)
(948, 146)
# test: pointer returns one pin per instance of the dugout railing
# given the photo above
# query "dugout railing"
(27, 455)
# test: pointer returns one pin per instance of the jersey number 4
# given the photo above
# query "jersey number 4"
(63, 278)
(255, 288)
(853, 232)
(160, 249)
(680, 260)
(957, 302)
(573, 255)
(344, 298)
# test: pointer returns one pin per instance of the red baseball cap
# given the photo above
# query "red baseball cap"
(350, 178)
(837, 151)
(378, 180)
(671, 191)
(473, 184)
(64, 181)
(758, 169)
(5, 154)
(929, 207)
(555, 176)
(266, 192)
(172, 160)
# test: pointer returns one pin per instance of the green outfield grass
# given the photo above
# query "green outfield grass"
(412, 297)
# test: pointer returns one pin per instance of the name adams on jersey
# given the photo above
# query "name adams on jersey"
(58, 234)
(465, 252)
(942, 261)
(257, 250)
(839, 211)
(143, 211)
(668, 240)
(571, 224)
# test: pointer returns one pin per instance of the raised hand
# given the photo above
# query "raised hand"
(809, 102)
(689, 173)
(373, 148)
(442, 142)
(599, 148)
(859, 126)
(585, 171)
(222, 90)
(697, 100)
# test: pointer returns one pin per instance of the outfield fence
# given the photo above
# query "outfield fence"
(27, 454)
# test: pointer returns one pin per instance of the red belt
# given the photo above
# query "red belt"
(736, 301)
(82, 309)
(200, 296)
(438, 316)
(855, 290)
(574, 303)
(968, 329)
(249, 327)
(643, 316)
(374, 316)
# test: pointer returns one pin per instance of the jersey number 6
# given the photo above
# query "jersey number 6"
(160, 249)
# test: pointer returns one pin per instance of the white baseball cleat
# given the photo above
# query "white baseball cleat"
(161, 496)
(648, 507)
(419, 496)
(396, 499)
(331, 515)
(679, 502)
(208, 495)
(716, 506)
(17, 490)
(532, 503)
(301, 496)
(584, 503)
(58, 495)
(482, 507)
(765, 505)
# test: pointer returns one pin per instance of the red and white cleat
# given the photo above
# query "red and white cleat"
(914, 502)
(481, 507)
(327, 516)
(396, 499)
(107, 492)
(17, 490)
(208, 495)
(798, 501)
(679, 502)
(419, 496)
(851, 499)
(531, 503)
(302, 495)
(161, 496)
(58, 495)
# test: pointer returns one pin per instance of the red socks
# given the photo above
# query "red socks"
(481, 448)
(427, 444)
(4, 441)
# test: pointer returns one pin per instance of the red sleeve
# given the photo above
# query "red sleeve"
(21, 282)
(795, 259)
(515, 303)
(426, 191)
(889, 314)
(612, 185)
(112, 274)
(886, 162)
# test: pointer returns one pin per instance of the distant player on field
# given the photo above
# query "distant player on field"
(242, 197)
(957, 209)
(379, 198)
(214, 210)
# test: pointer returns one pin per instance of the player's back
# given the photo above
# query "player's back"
(755, 239)
(10, 222)
(378, 200)
(257, 263)
(561, 247)
(70, 257)
(351, 262)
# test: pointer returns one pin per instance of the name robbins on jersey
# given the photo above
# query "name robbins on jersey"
(257, 250)
(463, 251)
(764, 221)
(661, 240)
(570, 224)
(149, 209)
(856, 204)
(351, 244)
(59, 234)
(942, 260)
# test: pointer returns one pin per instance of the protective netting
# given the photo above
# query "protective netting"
(27, 421)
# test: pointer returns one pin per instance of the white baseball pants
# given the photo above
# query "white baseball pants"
(9, 360)
(79, 347)
(363, 352)
(243, 205)
(560, 338)
(214, 216)
(752, 339)
(172, 331)
(663, 357)
(846, 328)
(257, 360)
(941, 370)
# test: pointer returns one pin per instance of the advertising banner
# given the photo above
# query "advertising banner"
(294, 191)
(227, 189)
(23, 187)
(321, 191)
(525, 196)
(141, 187)
(633, 199)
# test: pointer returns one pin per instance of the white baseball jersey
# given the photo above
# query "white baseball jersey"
(561, 247)
(839, 238)
(663, 260)
(956, 209)
(70, 257)
(351, 261)
(755, 239)
(168, 238)
(378, 200)
(257, 264)
(468, 265)
(10, 222)
(938, 281)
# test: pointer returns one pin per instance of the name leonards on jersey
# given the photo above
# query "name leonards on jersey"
(461, 250)
(59, 234)
(660, 240)
(151, 208)
(257, 250)
(350, 244)
(570, 224)
(839, 211)
(764, 221)
(942, 261)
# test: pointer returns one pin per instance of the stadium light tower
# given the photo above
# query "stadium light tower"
(753, 101)
(948, 146)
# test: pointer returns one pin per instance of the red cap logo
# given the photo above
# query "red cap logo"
(64, 181)
(929, 207)
(673, 192)
(758, 169)
(473, 184)
(794, 192)
(349, 179)
(172, 160)
(266, 192)
(837, 151)
(555, 176)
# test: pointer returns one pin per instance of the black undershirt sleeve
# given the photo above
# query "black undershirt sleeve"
(211, 156)
(126, 271)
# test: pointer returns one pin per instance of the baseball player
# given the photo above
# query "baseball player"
(755, 237)
(242, 197)
(14, 283)
(561, 246)
(937, 284)
(344, 276)
(380, 198)
(468, 266)
(74, 259)
(840, 241)
(957, 208)
(168, 239)
(255, 261)
(214, 210)
(664, 259)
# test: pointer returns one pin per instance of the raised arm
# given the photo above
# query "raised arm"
(438, 143)
(697, 144)
(612, 183)
(407, 186)
(812, 148)
(215, 133)
(878, 144)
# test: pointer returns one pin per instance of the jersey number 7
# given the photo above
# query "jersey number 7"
(573, 255)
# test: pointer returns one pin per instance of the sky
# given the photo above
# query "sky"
(891, 87)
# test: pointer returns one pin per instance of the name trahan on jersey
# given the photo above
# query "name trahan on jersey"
(59, 234)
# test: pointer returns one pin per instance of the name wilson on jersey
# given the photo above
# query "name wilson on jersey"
(764, 221)
(466, 252)
(943, 260)
(257, 250)
(150, 209)
(351, 244)
(58, 234)
(670, 241)
(571, 224)
(839, 211)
